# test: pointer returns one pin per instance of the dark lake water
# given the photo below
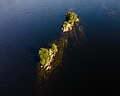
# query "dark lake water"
(90, 70)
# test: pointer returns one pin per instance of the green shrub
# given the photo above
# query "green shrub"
(44, 53)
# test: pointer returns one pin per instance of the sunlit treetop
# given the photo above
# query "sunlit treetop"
(45, 54)
(71, 19)
(54, 47)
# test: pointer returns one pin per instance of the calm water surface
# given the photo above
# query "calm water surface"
(91, 69)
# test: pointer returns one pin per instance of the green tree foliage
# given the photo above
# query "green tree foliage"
(65, 23)
(54, 47)
(71, 17)
(44, 55)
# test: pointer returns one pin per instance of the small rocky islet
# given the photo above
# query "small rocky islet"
(51, 57)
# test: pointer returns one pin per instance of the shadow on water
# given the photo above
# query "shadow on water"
(67, 44)
(87, 68)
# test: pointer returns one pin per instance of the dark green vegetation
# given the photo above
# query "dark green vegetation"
(46, 54)
(71, 19)
(54, 48)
